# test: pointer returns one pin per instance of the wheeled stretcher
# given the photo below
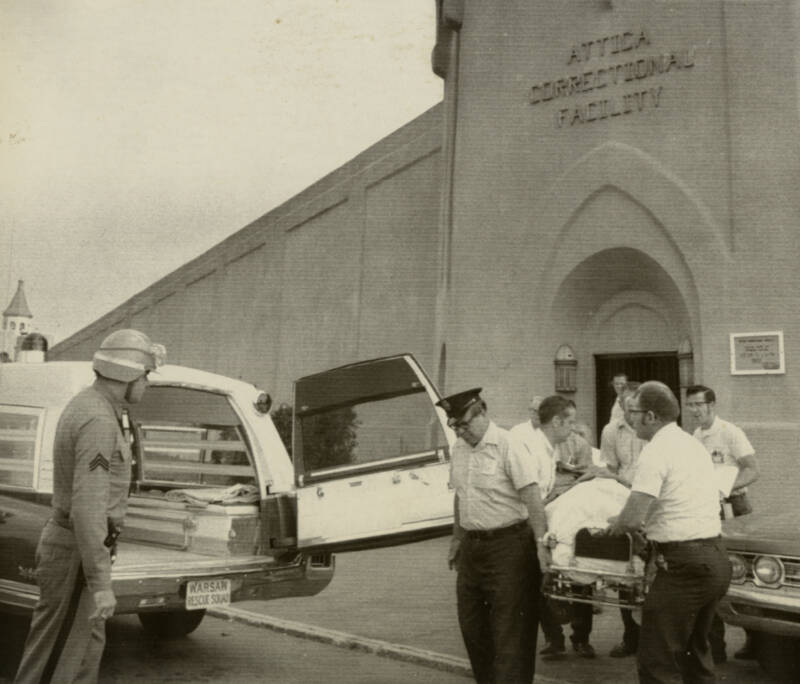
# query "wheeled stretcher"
(602, 570)
(588, 565)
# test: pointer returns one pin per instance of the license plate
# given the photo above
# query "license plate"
(214, 593)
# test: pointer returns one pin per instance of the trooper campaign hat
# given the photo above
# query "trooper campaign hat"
(456, 405)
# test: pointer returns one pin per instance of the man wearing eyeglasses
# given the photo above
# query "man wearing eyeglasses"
(674, 497)
(497, 546)
(728, 446)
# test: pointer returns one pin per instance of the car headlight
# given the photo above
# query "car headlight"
(738, 567)
(768, 570)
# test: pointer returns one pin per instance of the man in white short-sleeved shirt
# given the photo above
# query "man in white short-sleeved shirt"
(530, 435)
(726, 442)
(728, 446)
(497, 546)
(674, 498)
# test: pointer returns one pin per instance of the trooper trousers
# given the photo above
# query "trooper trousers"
(691, 579)
(62, 646)
(498, 591)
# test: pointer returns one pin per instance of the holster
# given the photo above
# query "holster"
(110, 542)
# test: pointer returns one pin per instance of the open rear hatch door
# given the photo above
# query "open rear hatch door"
(371, 456)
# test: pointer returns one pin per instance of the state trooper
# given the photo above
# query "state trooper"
(91, 479)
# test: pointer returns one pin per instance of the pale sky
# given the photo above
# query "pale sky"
(135, 135)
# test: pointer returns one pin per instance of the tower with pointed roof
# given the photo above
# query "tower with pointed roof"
(17, 321)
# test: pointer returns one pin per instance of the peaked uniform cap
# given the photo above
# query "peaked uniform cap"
(456, 405)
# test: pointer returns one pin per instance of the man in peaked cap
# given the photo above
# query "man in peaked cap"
(91, 478)
(497, 547)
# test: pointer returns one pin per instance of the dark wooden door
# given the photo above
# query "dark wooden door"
(661, 366)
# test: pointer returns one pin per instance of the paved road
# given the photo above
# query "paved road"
(406, 595)
(231, 653)
(403, 595)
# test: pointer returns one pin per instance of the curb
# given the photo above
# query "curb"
(385, 649)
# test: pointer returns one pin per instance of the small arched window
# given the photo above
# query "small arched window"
(13, 325)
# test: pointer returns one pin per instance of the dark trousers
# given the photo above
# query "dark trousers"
(630, 635)
(678, 610)
(740, 505)
(581, 623)
(498, 590)
(55, 651)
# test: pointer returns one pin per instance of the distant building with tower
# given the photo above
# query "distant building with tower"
(607, 188)
(17, 330)
(17, 321)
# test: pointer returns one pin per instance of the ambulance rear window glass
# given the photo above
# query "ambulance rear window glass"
(18, 431)
(191, 437)
(389, 429)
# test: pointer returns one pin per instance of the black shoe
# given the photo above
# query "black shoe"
(746, 652)
(584, 649)
(621, 650)
(552, 650)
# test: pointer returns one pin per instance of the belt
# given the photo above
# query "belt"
(497, 532)
(662, 547)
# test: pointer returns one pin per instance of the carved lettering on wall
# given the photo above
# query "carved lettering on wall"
(607, 72)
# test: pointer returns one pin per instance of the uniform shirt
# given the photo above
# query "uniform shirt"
(91, 477)
(487, 479)
(726, 443)
(620, 448)
(542, 453)
(617, 412)
(676, 469)
(574, 451)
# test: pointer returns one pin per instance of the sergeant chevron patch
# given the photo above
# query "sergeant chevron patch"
(99, 461)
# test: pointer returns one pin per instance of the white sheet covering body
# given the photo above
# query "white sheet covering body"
(588, 504)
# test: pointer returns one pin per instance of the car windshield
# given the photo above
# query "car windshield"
(364, 415)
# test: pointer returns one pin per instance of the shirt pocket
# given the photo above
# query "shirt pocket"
(483, 471)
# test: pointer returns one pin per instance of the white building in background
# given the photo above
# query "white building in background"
(17, 322)
(607, 187)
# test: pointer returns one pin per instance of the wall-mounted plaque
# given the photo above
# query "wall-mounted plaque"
(757, 353)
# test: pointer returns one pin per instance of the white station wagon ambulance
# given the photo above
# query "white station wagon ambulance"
(218, 511)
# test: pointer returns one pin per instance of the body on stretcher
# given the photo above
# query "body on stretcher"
(601, 569)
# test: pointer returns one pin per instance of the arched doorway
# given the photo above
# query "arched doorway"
(621, 311)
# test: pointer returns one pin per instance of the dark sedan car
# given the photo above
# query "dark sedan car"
(764, 596)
